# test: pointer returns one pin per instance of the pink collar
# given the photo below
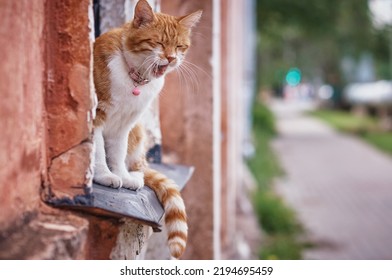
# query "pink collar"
(137, 79)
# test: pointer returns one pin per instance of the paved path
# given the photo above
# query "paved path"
(340, 187)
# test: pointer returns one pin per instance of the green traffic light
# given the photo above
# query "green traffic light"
(293, 77)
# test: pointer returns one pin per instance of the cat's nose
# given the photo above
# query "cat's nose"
(170, 58)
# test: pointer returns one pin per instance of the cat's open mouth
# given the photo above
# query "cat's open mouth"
(159, 70)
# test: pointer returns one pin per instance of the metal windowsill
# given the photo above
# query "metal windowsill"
(142, 206)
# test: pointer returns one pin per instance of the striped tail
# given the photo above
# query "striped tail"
(175, 215)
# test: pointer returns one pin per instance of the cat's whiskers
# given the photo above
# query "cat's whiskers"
(146, 65)
(189, 86)
(180, 78)
(198, 68)
(189, 75)
(147, 61)
(151, 66)
(191, 72)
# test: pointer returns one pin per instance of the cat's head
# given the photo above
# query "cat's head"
(156, 43)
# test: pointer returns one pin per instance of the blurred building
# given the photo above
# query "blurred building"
(47, 110)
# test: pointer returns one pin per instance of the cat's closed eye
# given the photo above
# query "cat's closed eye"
(184, 47)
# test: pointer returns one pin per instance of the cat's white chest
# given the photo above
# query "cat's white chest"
(126, 107)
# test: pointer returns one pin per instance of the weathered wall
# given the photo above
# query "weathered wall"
(232, 113)
(45, 116)
(22, 144)
(237, 76)
(187, 127)
(225, 126)
(68, 95)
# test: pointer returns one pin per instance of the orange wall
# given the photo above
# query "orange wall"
(22, 150)
(68, 95)
(232, 114)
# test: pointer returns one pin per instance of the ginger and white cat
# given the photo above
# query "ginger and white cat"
(130, 63)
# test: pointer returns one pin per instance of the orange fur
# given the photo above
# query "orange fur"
(166, 191)
(104, 47)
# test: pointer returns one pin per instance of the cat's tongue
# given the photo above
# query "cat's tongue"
(160, 70)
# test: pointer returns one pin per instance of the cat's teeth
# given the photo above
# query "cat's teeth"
(160, 70)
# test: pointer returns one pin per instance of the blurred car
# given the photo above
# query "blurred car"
(372, 94)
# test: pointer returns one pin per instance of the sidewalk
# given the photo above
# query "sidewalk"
(340, 187)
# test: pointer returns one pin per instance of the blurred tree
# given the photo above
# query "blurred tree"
(315, 35)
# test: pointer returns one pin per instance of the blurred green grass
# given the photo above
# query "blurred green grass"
(277, 220)
(382, 140)
(365, 127)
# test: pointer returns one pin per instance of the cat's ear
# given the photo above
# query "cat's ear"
(143, 14)
(190, 20)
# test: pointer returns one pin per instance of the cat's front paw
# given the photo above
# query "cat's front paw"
(109, 180)
(133, 180)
